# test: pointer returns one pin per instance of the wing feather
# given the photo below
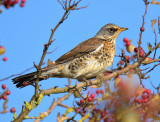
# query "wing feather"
(83, 48)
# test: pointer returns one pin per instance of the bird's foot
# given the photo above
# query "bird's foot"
(71, 88)
(88, 83)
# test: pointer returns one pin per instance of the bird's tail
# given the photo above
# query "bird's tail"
(25, 80)
(29, 79)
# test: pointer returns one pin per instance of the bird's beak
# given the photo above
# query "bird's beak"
(123, 29)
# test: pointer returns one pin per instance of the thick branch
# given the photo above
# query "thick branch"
(25, 112)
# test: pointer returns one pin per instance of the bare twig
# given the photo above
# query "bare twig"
(155, 43)
(67, 5)
(13, 75)
(152, 68)
(157, 88)
(149, 53)
(159, 24)
(52, 51)
(62, 105)
(149, 62)
(144, 69)
(140, 35)
(54, 104)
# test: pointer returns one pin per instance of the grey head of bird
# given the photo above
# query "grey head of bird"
(110, 31)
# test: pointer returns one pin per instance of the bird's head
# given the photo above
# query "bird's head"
(110, 31)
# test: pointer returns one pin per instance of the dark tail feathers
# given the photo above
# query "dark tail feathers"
(25, 80)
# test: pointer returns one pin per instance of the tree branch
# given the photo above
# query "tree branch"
(36, 98)
(53, 105)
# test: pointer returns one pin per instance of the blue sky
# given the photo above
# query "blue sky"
(25, 30)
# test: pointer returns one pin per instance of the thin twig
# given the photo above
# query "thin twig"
(140, 35)
(62, 105)
(153, 85)
(54, 104)
(149, 53)
(144, 69)
(13, 75)
(159, 24)
(152, 68)
(149, 62)
(52, 51)
(155, 43)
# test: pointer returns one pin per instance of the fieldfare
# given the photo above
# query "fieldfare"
(85, 61)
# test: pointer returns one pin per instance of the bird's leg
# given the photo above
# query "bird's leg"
(88, 83)
(72, 87)
(112, 68)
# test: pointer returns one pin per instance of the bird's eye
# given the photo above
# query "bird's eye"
(111, 30)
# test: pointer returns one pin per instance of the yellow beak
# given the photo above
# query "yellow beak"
(123, 29)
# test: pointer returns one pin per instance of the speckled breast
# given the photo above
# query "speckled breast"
(95, 62)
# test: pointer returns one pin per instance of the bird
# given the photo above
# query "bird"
(84, 62)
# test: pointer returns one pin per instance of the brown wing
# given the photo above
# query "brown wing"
(83, 48)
